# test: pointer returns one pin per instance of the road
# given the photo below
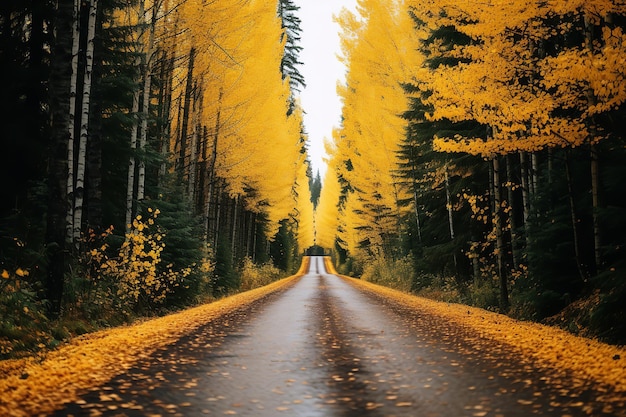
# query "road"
(322, 347)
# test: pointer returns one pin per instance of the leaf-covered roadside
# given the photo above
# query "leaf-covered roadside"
(39, 385)
(586, 362)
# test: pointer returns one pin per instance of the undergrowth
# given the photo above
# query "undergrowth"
(596, 315)
(110, 285)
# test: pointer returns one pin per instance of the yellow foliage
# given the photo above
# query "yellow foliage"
(377, 49)
(326, 213)
(136, 269)
(506, 83)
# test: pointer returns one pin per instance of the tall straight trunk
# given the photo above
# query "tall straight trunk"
(418, 225)
(497, 224)
(59, 90)
(595, 177)
(93, 213)
(193, 146)
(94, 170)
(211, 170)
(574, 216)
(145, 111)
(450, 220)
(525, 189)
(72, 118)
(134, 131)
(203, 163)
(79, 190)
(511, 205)
(218, 214)
(130, 179)
(449, 203)
(595, 197)
(165, 117)
(534, 173)
(415, 198)
(234, 228)
(185, 113)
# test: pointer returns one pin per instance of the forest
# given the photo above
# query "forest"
(480, 158)
(155, 157)
(135, 174)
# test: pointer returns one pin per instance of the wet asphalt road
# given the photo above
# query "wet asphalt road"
(323, 348)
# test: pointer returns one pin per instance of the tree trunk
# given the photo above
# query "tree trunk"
(130, 182)
(59, 84)
(534, 174)
(512, 222)
(574, 217)
(449, 203)
(72, 118)
(234, 228)
(145, 112)
(79, 190)
(211, 171)
(595, 195)
(193, 146)
(595, 178)
(93, 213)
(497, 224)
(185, 114)
(415, 198)
(164, 119)
(134, 131)
(450, 222)
(525, 193)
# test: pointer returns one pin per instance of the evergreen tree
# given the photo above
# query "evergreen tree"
(316, 189)
(287, 11)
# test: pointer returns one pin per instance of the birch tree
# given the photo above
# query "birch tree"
(79, 191)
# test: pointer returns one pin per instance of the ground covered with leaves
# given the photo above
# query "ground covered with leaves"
(586, 361)
(40, 384)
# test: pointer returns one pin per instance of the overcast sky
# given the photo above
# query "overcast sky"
(321, 70)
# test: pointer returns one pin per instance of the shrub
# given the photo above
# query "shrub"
(255, 276)
(397, 274)
(140, 278)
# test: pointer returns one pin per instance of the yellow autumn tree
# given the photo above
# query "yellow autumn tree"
(509, 81)
(327, 211)
(252, 144)
(377, 50)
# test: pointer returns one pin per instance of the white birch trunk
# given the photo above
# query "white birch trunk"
(130, 182)
(69, 219)
(79, 191)
(145, 113)
(132, 163)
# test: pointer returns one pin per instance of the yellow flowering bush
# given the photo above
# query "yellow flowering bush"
(137, 271)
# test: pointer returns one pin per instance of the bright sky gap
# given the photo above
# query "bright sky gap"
(321, 70)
